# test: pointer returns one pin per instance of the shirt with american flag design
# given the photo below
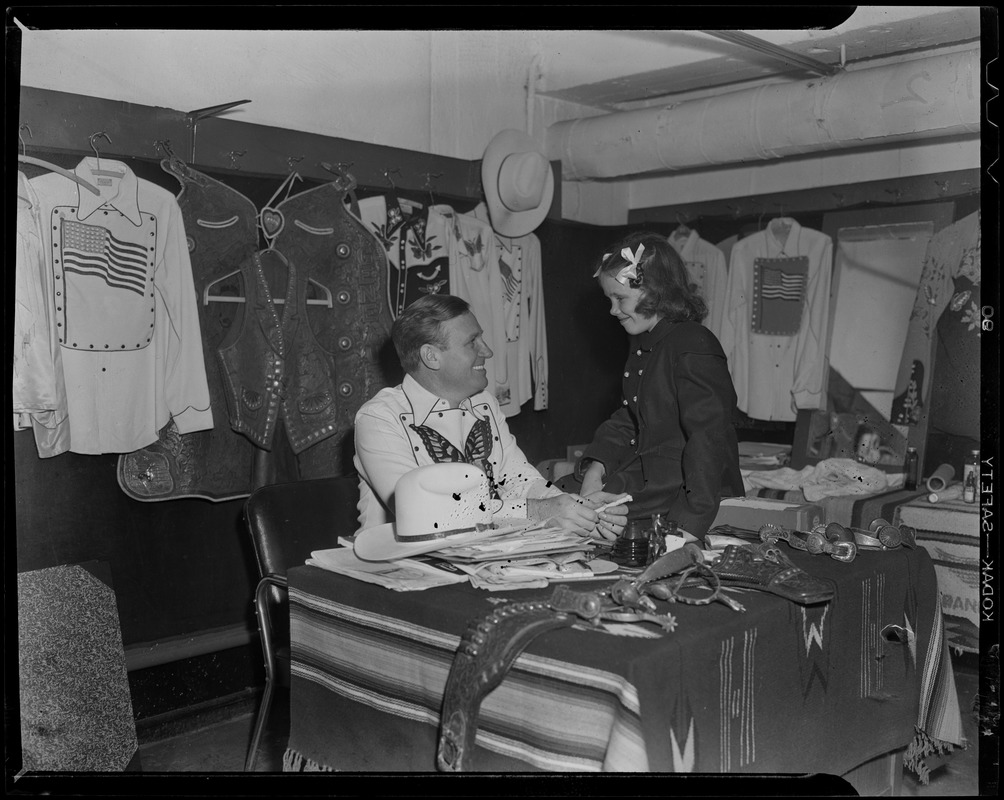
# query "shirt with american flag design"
(124, 302)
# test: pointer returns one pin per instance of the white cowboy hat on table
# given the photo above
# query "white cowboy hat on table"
(518, 183)
(436, 506)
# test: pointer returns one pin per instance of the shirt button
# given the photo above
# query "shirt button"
(625, 402)
(635, 398)
(640, 371)
(625, 374)
(638, 353)
(632, 441)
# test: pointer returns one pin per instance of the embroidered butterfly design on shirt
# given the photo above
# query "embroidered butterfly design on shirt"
(476, 448)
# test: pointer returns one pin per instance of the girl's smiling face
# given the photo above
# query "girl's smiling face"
(623, 301)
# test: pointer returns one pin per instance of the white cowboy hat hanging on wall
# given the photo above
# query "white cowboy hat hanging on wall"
(518, 183)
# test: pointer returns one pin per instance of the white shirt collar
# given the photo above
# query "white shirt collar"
(122, 194)
(684, 245)
(792, 238)
(423, 402)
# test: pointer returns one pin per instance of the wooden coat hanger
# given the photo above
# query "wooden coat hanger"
(208, 298)
(25, 159)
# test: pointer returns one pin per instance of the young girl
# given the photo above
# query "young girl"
(671, 443)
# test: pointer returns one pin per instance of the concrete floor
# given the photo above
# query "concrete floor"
(221, 747)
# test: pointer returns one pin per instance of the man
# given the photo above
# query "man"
(442, 412)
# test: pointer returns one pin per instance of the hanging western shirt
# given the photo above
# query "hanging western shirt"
(949, 283)
(774, 325)
(38, 391)
(706, 268)
(523, 375)
(125, 309)
(417, 250)
(390, 441)
(473, 252)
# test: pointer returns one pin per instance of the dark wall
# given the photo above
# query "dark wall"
(586, 347)
(177, 567)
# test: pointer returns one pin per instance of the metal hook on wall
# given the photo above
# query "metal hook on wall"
(24, 127)
(165, 145)
(234, 155)
(387, 174)
(340, 168)
(429, 177)
(94, 147)
(292, 161)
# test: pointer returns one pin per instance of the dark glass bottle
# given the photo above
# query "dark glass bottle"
(971, 477)
(912, 465)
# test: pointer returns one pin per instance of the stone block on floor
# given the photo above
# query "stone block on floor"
(76, 710)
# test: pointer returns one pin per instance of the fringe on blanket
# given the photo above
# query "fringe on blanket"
(922, 746)
(292, 761)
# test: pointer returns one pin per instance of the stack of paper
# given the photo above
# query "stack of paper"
(535, 572)
(518, 544)
(520, 555)
(403, 575)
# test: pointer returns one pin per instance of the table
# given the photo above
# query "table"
(779, 688)
(851, 510)
(950, 532)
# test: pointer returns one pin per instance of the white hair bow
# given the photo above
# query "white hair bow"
(631, 271)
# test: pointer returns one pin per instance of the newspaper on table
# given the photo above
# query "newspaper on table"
(403, 575)
(536, 572)
(522, 555)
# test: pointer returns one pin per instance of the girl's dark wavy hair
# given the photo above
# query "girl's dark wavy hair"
(666, 287)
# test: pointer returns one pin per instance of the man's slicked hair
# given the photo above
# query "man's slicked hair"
(421, 323)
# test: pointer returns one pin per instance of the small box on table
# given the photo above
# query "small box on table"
(749, 513)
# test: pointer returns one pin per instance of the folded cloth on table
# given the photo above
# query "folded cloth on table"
(831, 477)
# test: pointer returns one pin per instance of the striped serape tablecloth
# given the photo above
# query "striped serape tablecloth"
(950, 531)
(779, 688)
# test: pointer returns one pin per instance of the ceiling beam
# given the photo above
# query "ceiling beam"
(782, 54)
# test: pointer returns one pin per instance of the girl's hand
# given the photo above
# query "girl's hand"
(611, 520)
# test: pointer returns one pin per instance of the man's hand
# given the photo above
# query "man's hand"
(611, 521)
(592, 478)
(567, 511)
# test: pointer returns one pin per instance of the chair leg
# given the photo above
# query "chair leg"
(259, 726)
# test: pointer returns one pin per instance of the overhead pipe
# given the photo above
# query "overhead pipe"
(924, 98)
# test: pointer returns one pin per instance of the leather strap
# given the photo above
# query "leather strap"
(486, 652)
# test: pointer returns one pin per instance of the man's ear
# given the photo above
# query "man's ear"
(430, 356)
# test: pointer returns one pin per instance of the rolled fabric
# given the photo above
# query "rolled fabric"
(940, 478)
